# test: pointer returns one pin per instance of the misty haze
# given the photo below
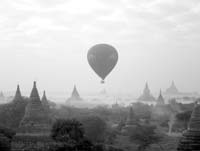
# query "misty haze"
(99, 75)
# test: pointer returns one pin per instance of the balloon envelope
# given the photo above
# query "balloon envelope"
(102, 58)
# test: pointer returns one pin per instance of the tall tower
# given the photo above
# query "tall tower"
(190, 140)
(34, 128)
(130, 122)
(35, 120)
(18, 96)
(75, 95)
(45, 102)
(172, 89)
(146, 96)
(160, 100)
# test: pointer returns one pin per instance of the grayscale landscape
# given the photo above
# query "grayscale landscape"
(99, 75)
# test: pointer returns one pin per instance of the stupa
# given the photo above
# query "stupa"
(2, 98)
(1, 95)
(45, 102)
(18, 96)
(34, 128)
(130, 122)
(190, 140)
(35, 120)
(172, 89)
(146, 96)
(160, 100)
(75, 95)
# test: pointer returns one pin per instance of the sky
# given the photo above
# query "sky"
(47, 41)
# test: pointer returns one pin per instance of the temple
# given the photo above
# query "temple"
(190, 140)
(18, 96)
(35, 120)
(75, 95)
(146, 96)
(160, 100)
(34, 128)
(130, 122)
(1, 95)
(2, 98)
(172, 89)
(45, 102)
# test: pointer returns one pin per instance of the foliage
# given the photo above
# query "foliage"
(69, 131)
(70, 134)
(184, 118)
(95, 128)
(12, 113)
(6, 136)
(142, 111)
(144, 136)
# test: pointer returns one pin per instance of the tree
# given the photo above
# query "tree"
(144, 136)
(69, 134)
(6, 136)
(95, 128)
(67, 131)
(12, 113)
(184, 118)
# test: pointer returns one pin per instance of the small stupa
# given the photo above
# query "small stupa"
(172, 89)
(45, 102)
(35, 120)
(190, 140)
(1, 95)
(75, 95)
(146, 96)
(160, 100)
(18, 96)
(131, 122)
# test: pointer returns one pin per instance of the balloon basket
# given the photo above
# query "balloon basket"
(102, 82)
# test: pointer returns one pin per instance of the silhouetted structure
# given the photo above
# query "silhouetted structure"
(130, 122)
(18, 96)
(35, 126)
(172, 89)
(146, 96)
(1, 95)
(35, 120)
(75, 95)
(45, 102)
(160, 100)
(190, 140)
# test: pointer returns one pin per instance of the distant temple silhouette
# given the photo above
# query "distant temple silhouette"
(45, 102)
(160, 101)
(1, 95)
(75, 95)
(18, 96)
(190, 140)
(131, 122)
(172, 89)
(146, 96)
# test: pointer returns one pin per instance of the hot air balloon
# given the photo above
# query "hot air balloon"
(102, 58)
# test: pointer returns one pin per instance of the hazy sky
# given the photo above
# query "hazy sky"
(47, 40)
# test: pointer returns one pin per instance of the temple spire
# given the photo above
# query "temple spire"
(146, 96)
(160, 100)
(75, 92)
(18, 95)
(190, 140)
(34, 93)
(172, 89)
(194, 123)
(44, 98)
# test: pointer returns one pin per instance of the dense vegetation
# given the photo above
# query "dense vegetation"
(99, 128)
